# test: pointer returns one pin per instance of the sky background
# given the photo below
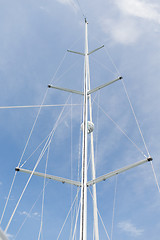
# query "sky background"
(34, 38)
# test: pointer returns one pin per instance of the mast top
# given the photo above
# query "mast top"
(86, 20)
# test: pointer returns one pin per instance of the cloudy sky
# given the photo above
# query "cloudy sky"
(35, 36)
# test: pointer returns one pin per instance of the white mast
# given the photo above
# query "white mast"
(95, 215)
(83, 218)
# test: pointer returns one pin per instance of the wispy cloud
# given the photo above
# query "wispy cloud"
(130, 228)
(133, 20)
(140, 9)
(24, 213)
(122, 31)
(35, 214)
(10, 236)
(70, 3)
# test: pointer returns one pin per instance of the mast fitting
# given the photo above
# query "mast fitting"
(90, 127)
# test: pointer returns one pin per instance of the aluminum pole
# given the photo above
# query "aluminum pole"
(83, 218)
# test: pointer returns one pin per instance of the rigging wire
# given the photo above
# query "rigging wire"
(27, 216)
(74, 216)
(52, 79)
(36, 106)
(44, 139)
(34, 151)
(114, 202)
(125, 89)
(103, 65)
(110, 58)
(112, 61)
(40, 157)
(81, 9)
(97, 120)
(100, 218)
(68, 214)
(44, 185)
(10, 190)
(122, 131)
(156, 180)
(72, 66)
(75, 227)
(47, 144)
(71, 167)
(135, 118)
(23, 155)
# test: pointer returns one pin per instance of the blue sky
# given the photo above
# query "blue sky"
(34, 38)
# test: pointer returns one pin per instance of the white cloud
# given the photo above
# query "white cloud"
(124, 31)
(135, 18)
(24, 213)
(35, 214)
(139, 8)
(128, 227)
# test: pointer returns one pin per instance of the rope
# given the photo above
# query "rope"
(44, 185)
(135, 118)
(122, 131)
(156, 180)
(100, 218)
(68, 215)
(114, 202)
(40, 157)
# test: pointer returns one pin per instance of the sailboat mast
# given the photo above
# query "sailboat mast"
(83, 218)
(95, 215)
